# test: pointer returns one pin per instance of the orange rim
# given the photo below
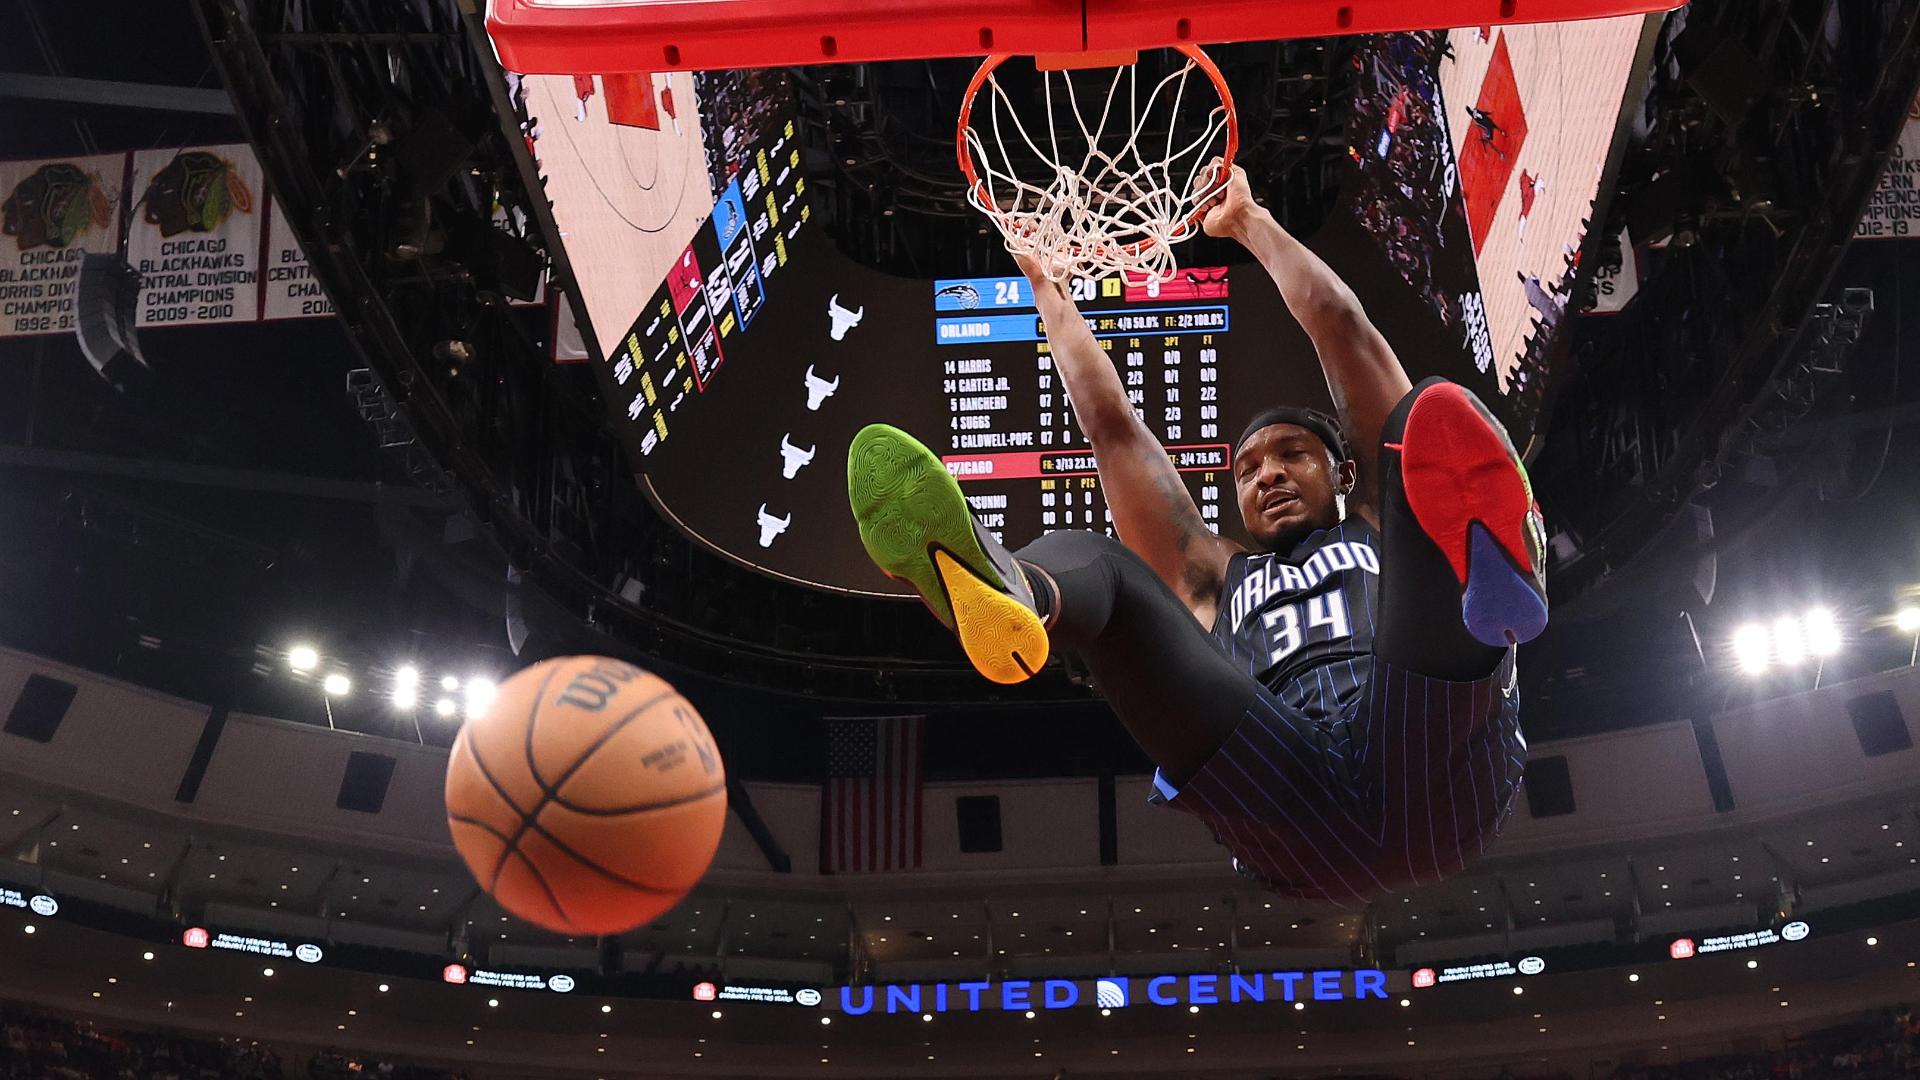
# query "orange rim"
(977, 187)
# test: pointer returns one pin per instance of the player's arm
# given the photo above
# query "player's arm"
(1364, 375)
(1153, 512)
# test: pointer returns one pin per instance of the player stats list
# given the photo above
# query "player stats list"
(1012, 442)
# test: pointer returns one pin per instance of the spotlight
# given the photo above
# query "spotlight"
(1907, 620)
(1789, 640)
(406, 687)
(1750, 648)
(480, 693)
(1823, 632)
(303, 658)
(449, 683)
(336, 684)
(444, 707)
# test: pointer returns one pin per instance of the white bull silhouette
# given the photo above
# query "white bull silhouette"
(771, 526)
(819, 389)
(843, 320)
(792, 458)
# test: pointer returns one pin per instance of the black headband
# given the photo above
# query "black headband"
(1326, 427)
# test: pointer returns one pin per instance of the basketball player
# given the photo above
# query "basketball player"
(1336, 702)
(1483, 122)
(1531, 185)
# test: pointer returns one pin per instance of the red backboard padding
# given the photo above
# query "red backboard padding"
(564, 37)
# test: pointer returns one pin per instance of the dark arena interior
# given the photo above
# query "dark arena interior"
(395, 390)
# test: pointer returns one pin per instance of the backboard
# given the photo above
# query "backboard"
(615, 36)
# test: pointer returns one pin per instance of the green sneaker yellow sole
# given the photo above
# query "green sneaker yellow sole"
(916, 527)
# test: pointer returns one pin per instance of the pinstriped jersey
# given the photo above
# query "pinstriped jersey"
(1302, 621)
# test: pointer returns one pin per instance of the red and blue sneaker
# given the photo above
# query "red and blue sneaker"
(1468, 490)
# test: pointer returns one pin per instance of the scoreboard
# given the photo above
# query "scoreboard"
(1012, 441)
(752, 461)
(767, 348)
(713, 293)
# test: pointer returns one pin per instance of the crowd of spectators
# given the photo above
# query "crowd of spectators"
(1884, 1045)
(40, 1046)
(1399, 143)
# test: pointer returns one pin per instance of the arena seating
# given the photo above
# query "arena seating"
(41, 1046)
(36, 1046)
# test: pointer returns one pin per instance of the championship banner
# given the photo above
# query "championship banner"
(292, 290)
(1894, 212)
(53, 212)
(195, 236)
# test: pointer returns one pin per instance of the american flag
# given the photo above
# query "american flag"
(870, 808)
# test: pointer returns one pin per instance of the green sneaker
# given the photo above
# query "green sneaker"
(916, 527)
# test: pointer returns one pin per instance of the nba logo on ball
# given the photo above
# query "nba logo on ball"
(308, 953)
(1681, 949)
(1424, 978)
(195, 938)
(1111, 993)
(48, 906)
(705, 991)
(560, 984)
(808, 997)
(1793, 931)
(454, 974)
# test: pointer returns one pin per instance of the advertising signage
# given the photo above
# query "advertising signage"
(461, 975)
(760, 995)
(1496, 969)
(1686, 948)
(1118, 992)
(199, 937)
(39, 903)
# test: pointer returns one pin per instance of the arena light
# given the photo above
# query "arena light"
(1750, 648)
(1907, 620)
(445, 707)
(406, 687)
(1823, 632)
(303, 658)
(1789, 640)
(449, 683)
(337, 685)
(480, 694)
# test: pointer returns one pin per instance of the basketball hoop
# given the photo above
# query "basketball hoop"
(1083, 200)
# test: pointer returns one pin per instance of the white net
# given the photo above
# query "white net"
(1086, 196)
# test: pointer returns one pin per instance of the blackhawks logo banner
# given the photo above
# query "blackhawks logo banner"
(196, 234)
(51, 214)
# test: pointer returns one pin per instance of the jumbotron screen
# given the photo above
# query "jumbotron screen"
(740, 351)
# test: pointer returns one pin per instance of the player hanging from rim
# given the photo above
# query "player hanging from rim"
(1337, 703)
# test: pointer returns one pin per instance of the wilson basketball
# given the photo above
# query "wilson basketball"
(589, 798)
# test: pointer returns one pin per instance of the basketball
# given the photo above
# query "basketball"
(588, 798)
